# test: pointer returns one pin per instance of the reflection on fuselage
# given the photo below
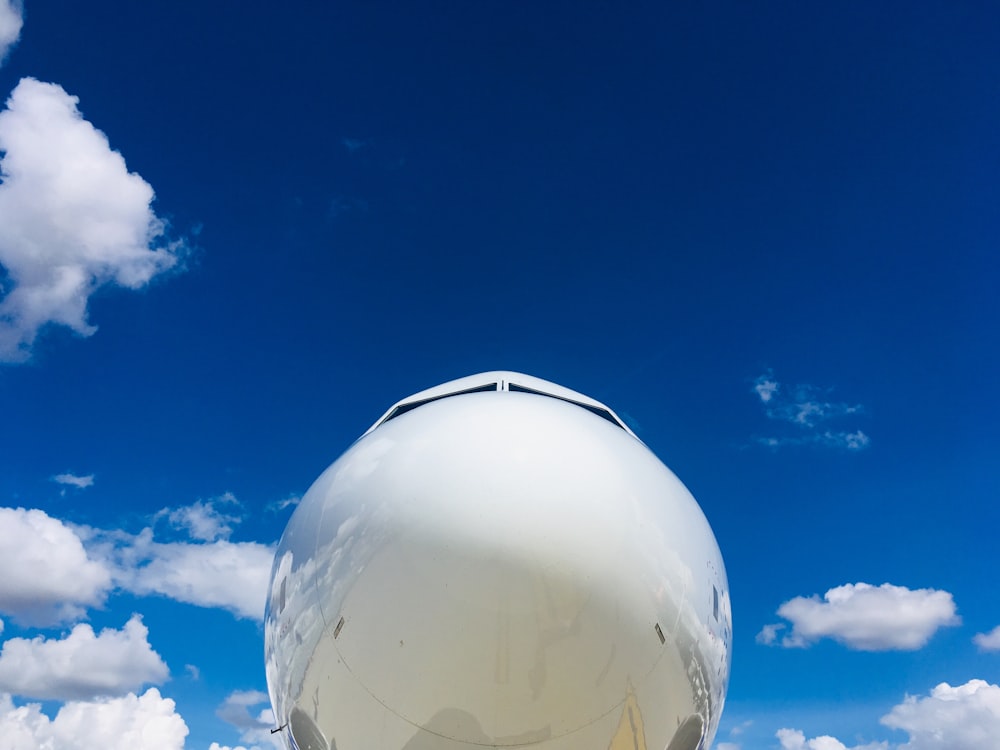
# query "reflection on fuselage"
(498, 569)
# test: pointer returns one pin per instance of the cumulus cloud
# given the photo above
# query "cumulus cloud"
(51, 573)
(146, 722)
(806, 407)
(866, 617)
(202, 520)
(74, 481)
(82, 665)
(793, 739)
(988, 641)
(253, 729)
(73, 219)
(11, 21)
(46, 575)
(966, 717)
(228, 575)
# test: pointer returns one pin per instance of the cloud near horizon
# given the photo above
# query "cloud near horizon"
(865, 618)
(964, 717)
(148, 721)
(52, 572)
(73, 219)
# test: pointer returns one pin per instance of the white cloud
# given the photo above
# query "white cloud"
(46, 577)
(727, 746)
(146, 722)
(793, 739)
(51, 573)
(74, 480)
(866, 617)
(11, 21)
(73, 219)
(988, 641)
(202, 520)
(769, 633)
(229, 575)
(966, 717)
(82, 665)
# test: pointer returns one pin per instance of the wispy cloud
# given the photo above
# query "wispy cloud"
(852, 441)
(81, 482)
(275, 506)
(73, 219)
(806, 407)
(11, 21)
(865, 617)
(353, 145)
(766, 386)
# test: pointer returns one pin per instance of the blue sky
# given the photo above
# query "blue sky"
(765, 234)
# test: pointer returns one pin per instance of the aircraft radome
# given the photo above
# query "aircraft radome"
(499, 562)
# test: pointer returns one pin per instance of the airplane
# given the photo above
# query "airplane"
(498, 562)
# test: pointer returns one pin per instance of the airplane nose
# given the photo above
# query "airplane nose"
(494, 570)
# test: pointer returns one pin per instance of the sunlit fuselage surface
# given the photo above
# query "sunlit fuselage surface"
(498, 562)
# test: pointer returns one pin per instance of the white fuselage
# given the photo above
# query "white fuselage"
(498, 568)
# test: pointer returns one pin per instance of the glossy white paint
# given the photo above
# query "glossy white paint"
(498, 569)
